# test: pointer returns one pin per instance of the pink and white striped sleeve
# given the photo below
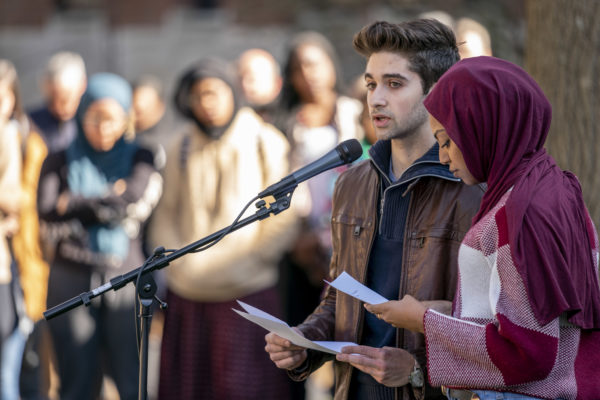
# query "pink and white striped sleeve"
(497, 341)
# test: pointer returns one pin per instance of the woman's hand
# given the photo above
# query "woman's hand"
(406, 313)
(62, 203)
(119, 187)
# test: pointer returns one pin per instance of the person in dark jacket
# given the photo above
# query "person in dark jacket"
(63, 84)
(92, 199)
(52, 127)
(397, 222)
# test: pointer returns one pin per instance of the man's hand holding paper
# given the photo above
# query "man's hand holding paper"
(284, 331)
(284, 353)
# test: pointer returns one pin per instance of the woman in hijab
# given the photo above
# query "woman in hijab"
(92, 199)
(226, 157)
(527, 311)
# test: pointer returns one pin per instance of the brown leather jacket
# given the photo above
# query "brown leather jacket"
(439, 216)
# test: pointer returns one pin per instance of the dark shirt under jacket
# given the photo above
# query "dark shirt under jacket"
(56, 134)
(385, 261)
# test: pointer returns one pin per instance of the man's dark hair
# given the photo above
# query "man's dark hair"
(429, 45)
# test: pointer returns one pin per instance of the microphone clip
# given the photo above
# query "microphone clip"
(283, 199)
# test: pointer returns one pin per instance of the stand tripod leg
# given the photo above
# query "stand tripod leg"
(146, 290)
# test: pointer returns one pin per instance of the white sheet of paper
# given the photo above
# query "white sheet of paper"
(282, 329)
(347, 284)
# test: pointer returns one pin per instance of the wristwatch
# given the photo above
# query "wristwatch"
(416, 378)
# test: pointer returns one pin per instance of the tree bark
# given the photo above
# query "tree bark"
(562, 54)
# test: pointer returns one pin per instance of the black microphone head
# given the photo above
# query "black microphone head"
(349, 150)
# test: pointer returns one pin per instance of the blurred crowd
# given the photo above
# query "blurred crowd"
(93, 180)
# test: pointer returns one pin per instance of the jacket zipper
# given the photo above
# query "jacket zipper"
(363, 277)
(403, 273)
(410, 186)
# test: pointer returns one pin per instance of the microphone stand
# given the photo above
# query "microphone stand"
(146, 286)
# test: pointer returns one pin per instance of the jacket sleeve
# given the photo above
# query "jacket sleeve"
(320, 324)
(161, 228)
(279, 230)
(143, 188)
(33, 269)
(53, 184)
(142, 191)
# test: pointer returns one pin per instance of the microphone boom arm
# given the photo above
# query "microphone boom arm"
(344, 153)
(282, 202)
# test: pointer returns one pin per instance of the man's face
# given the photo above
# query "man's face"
(63, 97)
(394, 96)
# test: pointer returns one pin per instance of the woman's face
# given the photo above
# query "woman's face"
(313, 72)
(450, 154)
(212, 102)
(7, 101)
(104, 123)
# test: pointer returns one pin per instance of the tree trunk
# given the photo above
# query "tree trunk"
(563, 55)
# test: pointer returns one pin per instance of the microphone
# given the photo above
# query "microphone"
(343, 153)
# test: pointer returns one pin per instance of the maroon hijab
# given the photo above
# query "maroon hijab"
(499, 118)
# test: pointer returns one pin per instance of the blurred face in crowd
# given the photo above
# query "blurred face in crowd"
(472, 45)
(63, 94)
(212, 102)
(148, 107)
(450, 154)
(394, 96)
(104, 123)
(313, 72)
(7, 101)
(473, 38)
(259, 76)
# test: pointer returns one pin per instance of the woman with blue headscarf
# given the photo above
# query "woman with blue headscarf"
(92, 199)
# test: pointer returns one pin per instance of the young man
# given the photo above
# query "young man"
(401, 234)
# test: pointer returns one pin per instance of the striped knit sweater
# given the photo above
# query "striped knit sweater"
(493, 341)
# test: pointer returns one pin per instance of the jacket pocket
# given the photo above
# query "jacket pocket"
(420, 237)
(351, 237)
(356, 225)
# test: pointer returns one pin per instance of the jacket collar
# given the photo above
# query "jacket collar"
(428, 165)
